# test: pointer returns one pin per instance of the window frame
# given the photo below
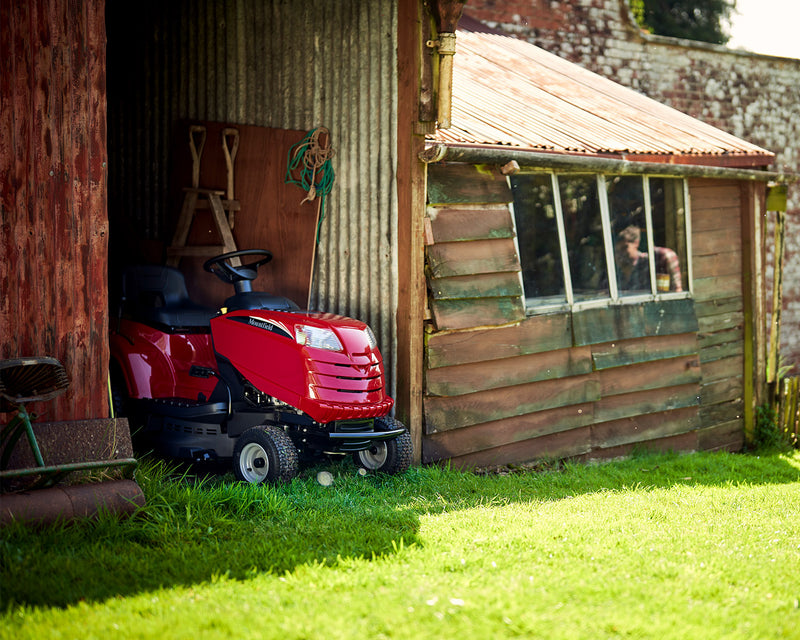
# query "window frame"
(614, 298)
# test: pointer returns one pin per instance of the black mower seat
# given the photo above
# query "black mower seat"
(259, 300)
(157, 295)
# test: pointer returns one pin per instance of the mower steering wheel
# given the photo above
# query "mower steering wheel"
(220, 267)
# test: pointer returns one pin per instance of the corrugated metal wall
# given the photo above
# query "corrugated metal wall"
(273, 63)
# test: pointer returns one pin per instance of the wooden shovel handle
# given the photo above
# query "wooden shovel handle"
(230, 145)
(198, 132)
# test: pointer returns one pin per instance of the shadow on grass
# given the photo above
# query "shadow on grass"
(195, 528)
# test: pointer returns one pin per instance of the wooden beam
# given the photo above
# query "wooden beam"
(411, 198)
(752, 198)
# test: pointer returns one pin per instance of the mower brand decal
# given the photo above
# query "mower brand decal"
(262, 324)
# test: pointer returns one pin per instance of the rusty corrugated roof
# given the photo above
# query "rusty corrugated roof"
(509, 92)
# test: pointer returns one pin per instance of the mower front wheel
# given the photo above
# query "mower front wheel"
(387, 456)
(264, 454)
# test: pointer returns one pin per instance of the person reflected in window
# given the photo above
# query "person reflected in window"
(633, 266)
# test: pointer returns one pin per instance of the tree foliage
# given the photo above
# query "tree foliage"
(704, 20)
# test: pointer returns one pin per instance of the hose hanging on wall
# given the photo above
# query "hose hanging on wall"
(309, 167)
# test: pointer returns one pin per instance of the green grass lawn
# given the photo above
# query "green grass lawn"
(701, 546)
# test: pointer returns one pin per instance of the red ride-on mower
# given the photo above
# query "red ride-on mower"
(260, 382)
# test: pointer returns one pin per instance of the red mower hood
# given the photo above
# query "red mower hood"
(327, 366)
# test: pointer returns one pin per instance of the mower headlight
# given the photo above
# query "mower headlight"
(317, 337)
(373, 343)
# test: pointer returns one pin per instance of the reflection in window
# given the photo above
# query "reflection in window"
(668, 213)
(537, 236)
(565, 223)
(583, 226)
(629, 228)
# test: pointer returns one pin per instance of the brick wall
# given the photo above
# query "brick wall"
(754, 97)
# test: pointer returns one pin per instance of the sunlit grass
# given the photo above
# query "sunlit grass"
(699, 546)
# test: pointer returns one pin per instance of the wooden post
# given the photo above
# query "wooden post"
(777, 303)
(753, 298)
(410, 233)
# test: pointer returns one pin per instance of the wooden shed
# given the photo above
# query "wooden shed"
(422, 237)
(542, 340)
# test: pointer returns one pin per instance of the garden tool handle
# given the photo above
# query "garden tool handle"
(230, 149)
(196, 148)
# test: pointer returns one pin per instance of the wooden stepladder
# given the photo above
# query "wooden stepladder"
(196, 198)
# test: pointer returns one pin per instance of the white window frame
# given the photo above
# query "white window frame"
(613, 298)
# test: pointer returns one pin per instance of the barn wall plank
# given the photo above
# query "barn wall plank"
(476, 312)
(564, 444)
(650, 375)
(494, 374)
(606, 324)
(706, 289)
(719, 306)
(682, 442)
(467, 258)
(483, 285)
(714, 414)
(644, 427)
(489, 435)
(625, 352)
(458, 224)
(724, 390)
(639, 403)
(724, 263)
(721, 240)
(723, 323)
(726, 436)
(723, 336)
(443, 413)
(464, 183)
(723, 368)
(720, 351)
(536, 334)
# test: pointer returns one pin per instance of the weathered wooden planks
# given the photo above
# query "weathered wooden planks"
(53, 177)
(723, 286)
(725, 390)
(604, 324)
(650, 375)
(454, 412)
(724, 436)
(494, 374)
(457, 183)
(468, 258)
(454, 224)
(631, 351)
(481, 285)
(473, 268)
(533, 335)
(644, 427)
(563, 444)
(687, 441)
(475, 312)
(638, 403)
(596, 382)
(489, 435)
(715, 241)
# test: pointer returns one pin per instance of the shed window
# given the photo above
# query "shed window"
(586, 238)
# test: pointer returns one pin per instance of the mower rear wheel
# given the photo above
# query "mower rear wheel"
(387, 456)
(264, 454)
